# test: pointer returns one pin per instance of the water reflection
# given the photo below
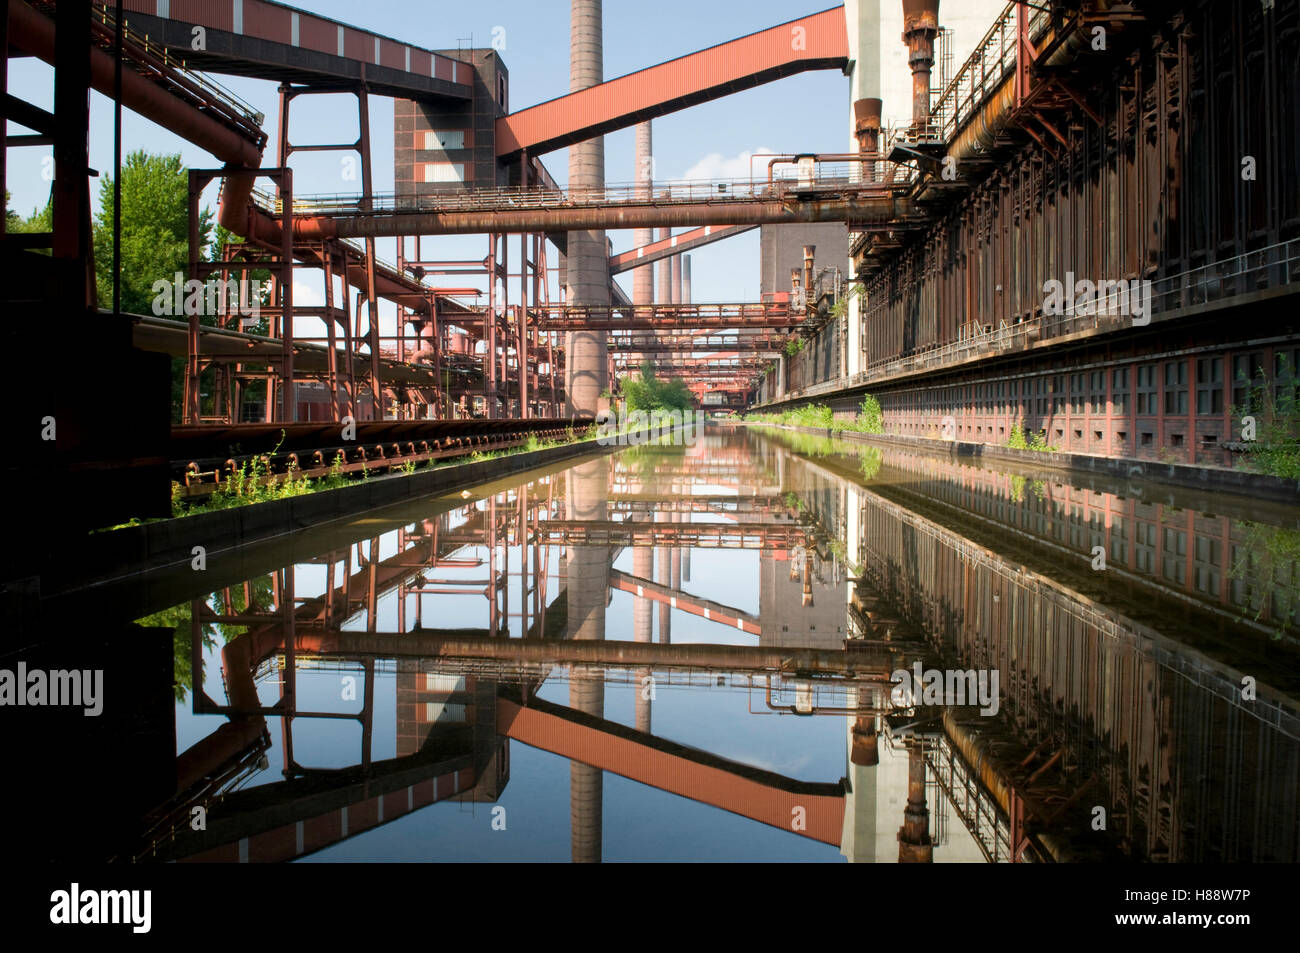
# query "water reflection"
(662, 629)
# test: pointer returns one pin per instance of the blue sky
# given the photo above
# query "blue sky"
(805, 113)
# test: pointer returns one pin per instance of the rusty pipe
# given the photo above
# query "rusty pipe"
(34, 33)
(867, 209)
(981, 131)
(920, 27)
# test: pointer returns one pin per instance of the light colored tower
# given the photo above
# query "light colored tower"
(643, 278)
(586, 352)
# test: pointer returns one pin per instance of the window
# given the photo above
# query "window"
(442, 141)
(1147, 389)
(1286, 378)
(444, 172)
(1207, 555)
(1119, 390)
(1097, 384)
(1174, 555)
(1209, 386)
(1144, 547)
(1176, 387)
(1247, 371)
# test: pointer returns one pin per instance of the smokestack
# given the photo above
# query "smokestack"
(920, 26)
(586, 352)
(866, 115)
(686, 279)
(664, 293)
(677, 278)
(643, 278)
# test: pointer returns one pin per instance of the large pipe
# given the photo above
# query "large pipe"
(920, 27)
(873, 209)
(981, 131)
(808, 252)
(34, 33)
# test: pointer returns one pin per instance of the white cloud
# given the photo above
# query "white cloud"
(717, 166)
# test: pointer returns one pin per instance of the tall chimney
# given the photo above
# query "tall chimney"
(686, 279)
(586, 352)
(643, 278)
(664, 292)
(920, 26)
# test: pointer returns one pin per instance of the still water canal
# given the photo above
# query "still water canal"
(690, 653)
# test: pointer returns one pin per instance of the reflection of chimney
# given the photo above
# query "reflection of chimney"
(920, 26)
(642, 631)
(865, 751)
(808, 252)
(866, 116)
(914, 845)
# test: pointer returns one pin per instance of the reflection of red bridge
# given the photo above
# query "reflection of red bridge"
(685, 602)
(291, 818)
(762, 796)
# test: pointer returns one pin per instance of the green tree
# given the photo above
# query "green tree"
(647, 392)
(41, 220)
(155, 229)
(12, 218)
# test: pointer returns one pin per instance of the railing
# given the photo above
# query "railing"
(204, 91)
(684, 192)
(984, 70)
(1270, 267)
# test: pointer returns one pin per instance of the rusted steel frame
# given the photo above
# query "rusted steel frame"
(372, 305)
(503, 380)
(490, 332)
(436, 338)
(331, 363)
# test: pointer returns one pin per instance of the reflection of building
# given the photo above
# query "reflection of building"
(429, 703)
(785, 619)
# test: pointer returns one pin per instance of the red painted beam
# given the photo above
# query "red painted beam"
(673, 246)
(767, 798)
(694, 605)
(813, 42)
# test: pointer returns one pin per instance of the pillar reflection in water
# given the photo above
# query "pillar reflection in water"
(587, 584)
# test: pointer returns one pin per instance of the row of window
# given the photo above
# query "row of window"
(1156, 388)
